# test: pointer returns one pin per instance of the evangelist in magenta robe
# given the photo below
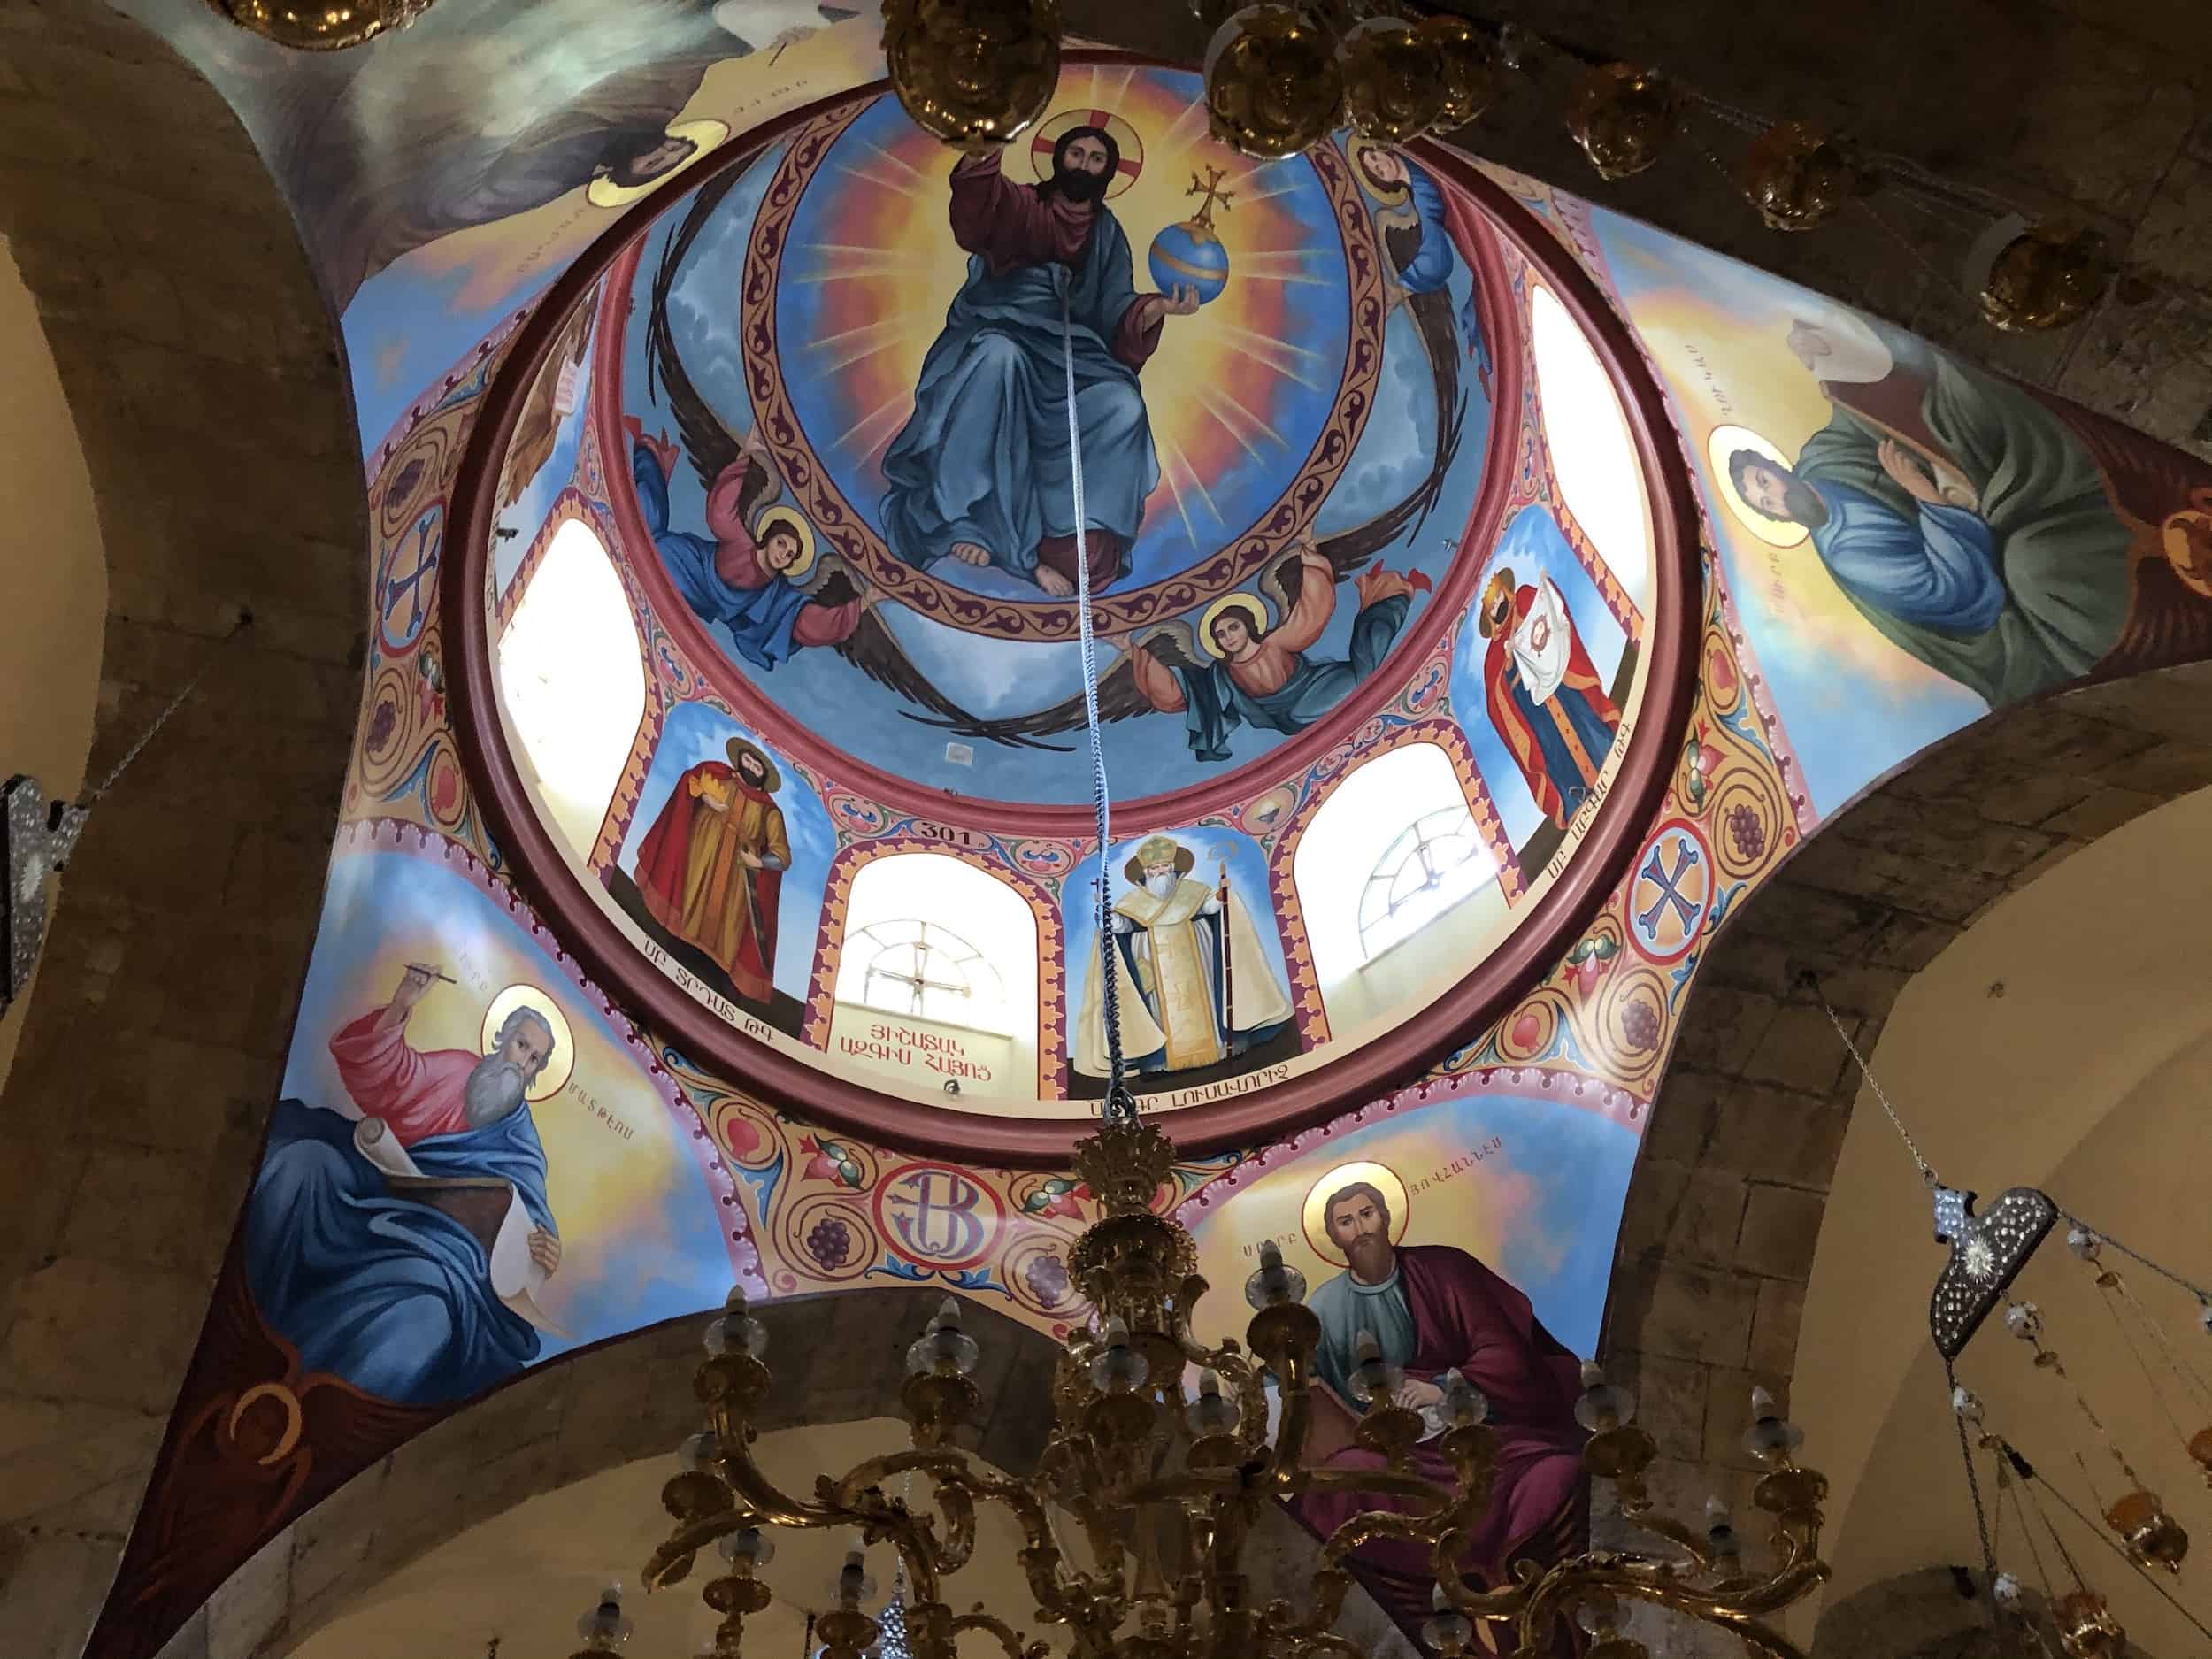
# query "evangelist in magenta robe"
(1466, 1317)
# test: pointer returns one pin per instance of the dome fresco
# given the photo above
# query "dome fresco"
(1493, 593)
(1325, 527)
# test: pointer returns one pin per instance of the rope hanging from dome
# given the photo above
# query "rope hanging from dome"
(1120, 1104)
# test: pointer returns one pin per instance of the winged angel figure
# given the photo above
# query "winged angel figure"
(760, 574)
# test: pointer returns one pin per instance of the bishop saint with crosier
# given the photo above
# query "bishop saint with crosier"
(1194, 988)
(980, 473)
(390, 1284)
(711, 869)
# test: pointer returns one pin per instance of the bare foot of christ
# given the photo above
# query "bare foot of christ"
(1058, 585)
(968, 553)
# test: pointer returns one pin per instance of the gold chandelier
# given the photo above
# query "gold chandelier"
(322, 24)
(1165, 1484)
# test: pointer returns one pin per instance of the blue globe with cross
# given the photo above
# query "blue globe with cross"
(1190, 256)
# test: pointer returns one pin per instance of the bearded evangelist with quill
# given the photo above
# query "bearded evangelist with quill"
(403, 1250)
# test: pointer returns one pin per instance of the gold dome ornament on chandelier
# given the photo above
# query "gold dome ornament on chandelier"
(1395, 85)
(325, 27)
(1622, 116)
(1469, 67)
(1796, 176)
(2045, 276)
(1273, 85)
(972, 72)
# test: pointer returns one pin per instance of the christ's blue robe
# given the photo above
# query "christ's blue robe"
(983, 458)
(1216, 704)
(760, 619)
(1936, 570)
(393, 1296)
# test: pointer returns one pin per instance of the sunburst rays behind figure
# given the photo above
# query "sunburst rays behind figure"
(1237, 392)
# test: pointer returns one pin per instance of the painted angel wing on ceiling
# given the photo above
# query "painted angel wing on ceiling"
(871, 646)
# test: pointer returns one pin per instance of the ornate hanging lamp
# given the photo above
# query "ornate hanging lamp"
(322, 28)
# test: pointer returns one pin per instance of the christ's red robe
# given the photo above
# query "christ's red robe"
(1467, 1317)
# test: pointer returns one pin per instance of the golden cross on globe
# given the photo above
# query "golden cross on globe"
(1210, 188)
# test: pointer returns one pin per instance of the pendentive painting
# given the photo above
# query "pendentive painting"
(469, 1171)
(1472, 1235)
(846, 403)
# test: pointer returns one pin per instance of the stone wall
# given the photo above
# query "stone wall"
(204, 381)
(1725, 1208)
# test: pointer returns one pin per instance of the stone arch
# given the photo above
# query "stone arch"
(1935, 1613)
(838, 1358)
(1717, 1235)
(204, 381)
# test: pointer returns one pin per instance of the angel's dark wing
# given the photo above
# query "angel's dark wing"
(1118, 699)
(876, 652)
(705, 438)
(1350, 551)
(1434, 317)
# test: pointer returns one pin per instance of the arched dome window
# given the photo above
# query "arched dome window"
(909, 965)
(1592, 455)
(1387, 874)
(931, 937)
(1436, 860)
(572, 732)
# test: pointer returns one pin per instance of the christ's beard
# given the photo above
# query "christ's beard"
(494, 1089)
(1369, 1256)
(1161, 887)
(1077, 186)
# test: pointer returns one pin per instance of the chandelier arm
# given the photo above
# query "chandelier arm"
(1290, 1439)
(1731, 1613)
(1059, 1590)
(670, 1563)
(1007, 1637)
(1381, 1482)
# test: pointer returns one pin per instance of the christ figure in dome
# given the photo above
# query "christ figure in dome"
(982, 471)
(390, 1284)
(1433, 1308)
(711, 869)
(1545, 698)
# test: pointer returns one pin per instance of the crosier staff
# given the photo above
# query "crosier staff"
(1228, 970)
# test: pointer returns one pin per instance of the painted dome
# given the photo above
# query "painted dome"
(777, 561)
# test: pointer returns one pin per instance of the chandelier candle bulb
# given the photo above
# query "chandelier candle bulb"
(1212, 1413)
(1274, 1285)
(749, 1548)
(1771, 1436)
(699, 1451)
(605, 1627)
(1374, 1379)
(1465, 1406)
(1603, 1407)
(1450, 1631)
(734, 1331)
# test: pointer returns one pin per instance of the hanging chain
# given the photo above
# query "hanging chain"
(245, 621)
(1927, 1170)
(1974, 1487)
(1120, 1104)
